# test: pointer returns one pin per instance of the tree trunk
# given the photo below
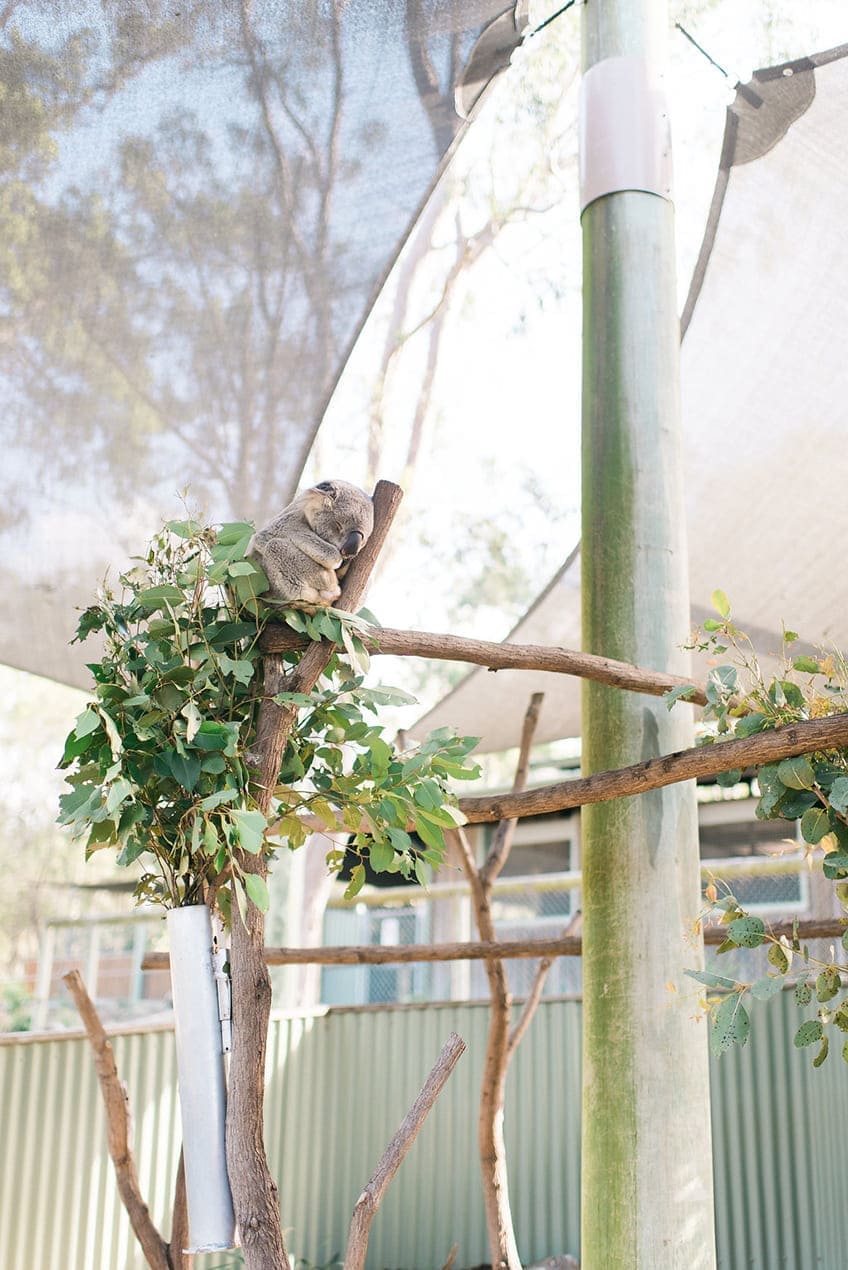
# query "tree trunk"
(255, 1195)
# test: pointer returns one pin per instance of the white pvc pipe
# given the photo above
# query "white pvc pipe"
(200, 1068)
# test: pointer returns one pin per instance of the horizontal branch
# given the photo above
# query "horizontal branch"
(564, 946)
(503, 656)
(701, 761)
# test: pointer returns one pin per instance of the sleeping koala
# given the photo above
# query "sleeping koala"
(301, 551)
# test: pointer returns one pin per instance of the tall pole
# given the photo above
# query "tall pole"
(647, 1167)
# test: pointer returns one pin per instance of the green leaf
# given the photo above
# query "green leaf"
(827, 984)
(250, 829)
(751, 723)
(838, 796)
(184, 528)
(710, 980)
(241, 900)
(422, 871)
(766, 987)
(808, 1033)
(357, 881)
(729, 1026)
(257, 891)
(184, 768)
(835, 865)
(680, 693)
(381, 855)
(803, 993)
(807, 665)
(814, 825)
(796, 773)
(823, 1051)
(721, 604)
(218, 798)
(778, 957)
(86, 723)
(429, 833)
(747, 931)
(193, 719)
(158, 597)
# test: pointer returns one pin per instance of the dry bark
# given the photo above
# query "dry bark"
(566, 945)
(255, 1194)
(115, 1101)
(501, 1042)
(395, 1153)
(505, 656)
(702, 760)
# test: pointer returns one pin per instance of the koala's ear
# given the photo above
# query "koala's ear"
(327, 487)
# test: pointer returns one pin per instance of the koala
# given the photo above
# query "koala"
(315, 537)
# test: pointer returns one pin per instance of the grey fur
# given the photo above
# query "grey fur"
(310, 540)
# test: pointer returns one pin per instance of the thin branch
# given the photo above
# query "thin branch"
(483, 950)
(118, 1127)
(529, 1008)
(180, 1237)
(829, 733)
(396, 1151)
(504, 656)
(505, 832)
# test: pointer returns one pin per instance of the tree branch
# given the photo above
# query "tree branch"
(118, 1127)
(503, 835)
(529, 1008)
(504, 656)
(395, 1152)
(483, 950)
(702, 760)
(255, 1195)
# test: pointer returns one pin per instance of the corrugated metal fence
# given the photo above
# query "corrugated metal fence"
(338, 1085)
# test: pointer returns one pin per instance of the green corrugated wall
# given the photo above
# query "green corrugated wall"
(338, 1085)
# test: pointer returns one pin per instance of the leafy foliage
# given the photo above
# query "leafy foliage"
(159, 761)
(811, 789)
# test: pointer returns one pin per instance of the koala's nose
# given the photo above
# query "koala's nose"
(352, 543)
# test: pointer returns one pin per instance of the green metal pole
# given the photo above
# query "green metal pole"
(647, 1161)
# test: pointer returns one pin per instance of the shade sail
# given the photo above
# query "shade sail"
(198, 205)
(764, 380)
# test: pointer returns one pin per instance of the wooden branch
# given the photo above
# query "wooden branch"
(389, 954)
(180, 1237)
(483, 950)
(502, 839)
(829, 733)
(532, 999)
(504, 656)
(255, 1196)
(395, 1153)
(118, 1127)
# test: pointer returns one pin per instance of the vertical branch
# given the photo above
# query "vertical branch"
(500, 1043)
(118, 1128)
(255, 1194)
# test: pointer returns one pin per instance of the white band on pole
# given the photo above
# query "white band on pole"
(625, 137)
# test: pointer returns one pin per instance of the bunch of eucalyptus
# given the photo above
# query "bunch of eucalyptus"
(159, 760)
